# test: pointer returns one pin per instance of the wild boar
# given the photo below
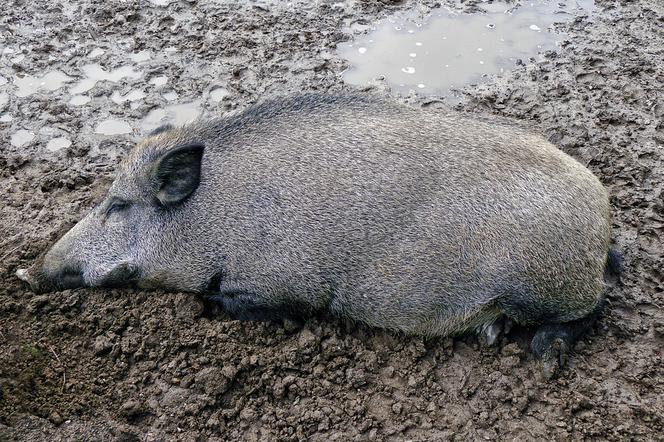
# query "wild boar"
(417, 221)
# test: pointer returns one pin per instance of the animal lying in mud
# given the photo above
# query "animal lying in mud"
(410, 220)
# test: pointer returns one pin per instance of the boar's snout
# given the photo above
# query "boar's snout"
(41, 280)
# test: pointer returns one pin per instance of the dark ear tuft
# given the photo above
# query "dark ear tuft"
(177, 174)
(161, 129)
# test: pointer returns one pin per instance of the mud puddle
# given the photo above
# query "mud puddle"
(448, 50)
(176, 114)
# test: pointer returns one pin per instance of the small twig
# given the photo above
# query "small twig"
(11, 240)
(64, 375)
(10, 252)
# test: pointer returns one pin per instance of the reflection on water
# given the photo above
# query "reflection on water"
(449, 50)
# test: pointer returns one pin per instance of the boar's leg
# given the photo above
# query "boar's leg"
(248, 306)
(552, 342)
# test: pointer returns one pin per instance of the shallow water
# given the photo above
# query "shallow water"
(139, 57)
(50, 81)
(22, 137)
(58, 143)
(133, 95)
(159, 81)
(95, 73)
(449, 50)
(218, 94)
(113, 127)
(79, 100)
(176, 114)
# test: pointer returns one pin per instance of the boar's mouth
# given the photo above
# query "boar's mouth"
(124, 275)
(214, 284)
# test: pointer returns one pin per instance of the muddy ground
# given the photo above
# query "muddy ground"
(128, 365)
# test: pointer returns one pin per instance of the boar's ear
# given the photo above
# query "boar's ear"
(177, 174)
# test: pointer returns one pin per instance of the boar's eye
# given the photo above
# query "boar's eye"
(116, 206)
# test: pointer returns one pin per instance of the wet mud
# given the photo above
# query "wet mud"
(80, 81)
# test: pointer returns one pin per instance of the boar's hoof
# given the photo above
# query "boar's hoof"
(492, 331)
(552, 342)
(551, 345)
(554, 358)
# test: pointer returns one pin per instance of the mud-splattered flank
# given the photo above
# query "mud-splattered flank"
(123, 365)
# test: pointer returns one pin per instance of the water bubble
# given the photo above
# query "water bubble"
(535, 28)
(408, 70)
(412, 54)
(362, 50)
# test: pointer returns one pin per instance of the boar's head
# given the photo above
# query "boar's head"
(132, 235)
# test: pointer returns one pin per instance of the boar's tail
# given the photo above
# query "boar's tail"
(613, 267)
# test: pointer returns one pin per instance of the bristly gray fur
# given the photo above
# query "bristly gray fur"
(396, 217)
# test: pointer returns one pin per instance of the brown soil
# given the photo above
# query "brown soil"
(128, 365)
